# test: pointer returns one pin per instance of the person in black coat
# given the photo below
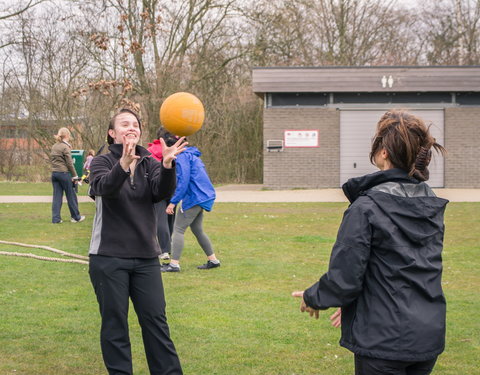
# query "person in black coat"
(124, 250)
(386, 266)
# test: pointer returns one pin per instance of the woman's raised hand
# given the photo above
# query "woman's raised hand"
(170, 153)
(128, 155)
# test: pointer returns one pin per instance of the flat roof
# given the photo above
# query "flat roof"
(366, 79)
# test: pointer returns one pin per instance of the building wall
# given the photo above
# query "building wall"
(302, 167)
(320, 167)
(462, 137)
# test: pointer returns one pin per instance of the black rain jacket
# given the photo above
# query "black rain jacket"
(385, 269)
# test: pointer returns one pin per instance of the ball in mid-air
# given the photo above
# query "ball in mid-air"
(182, 114)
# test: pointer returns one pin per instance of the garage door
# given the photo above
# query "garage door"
(356, 131)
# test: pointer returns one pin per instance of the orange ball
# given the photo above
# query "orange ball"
(182, 114)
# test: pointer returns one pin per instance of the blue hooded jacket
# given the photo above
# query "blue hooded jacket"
(194, 187)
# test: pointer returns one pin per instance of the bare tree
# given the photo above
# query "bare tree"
(451, 31)
(48, 67)
(334, 32)
(9, 10)
(157, 44)
(162, 47)
(282, 34)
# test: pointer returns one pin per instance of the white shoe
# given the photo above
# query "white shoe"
(79, 220)
(165, 258)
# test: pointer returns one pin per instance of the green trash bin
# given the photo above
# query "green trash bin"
(78, 161)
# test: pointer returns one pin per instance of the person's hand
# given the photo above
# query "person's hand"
(169, 154)
(336, 318)
(128, 155)
(170, 209)
(303, 305)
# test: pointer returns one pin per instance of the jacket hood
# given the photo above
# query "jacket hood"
(410, 204)
(356, 186)
(192, 150)
(419, 218)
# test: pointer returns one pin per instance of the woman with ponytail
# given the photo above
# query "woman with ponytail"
(63, 178)
(386, 265)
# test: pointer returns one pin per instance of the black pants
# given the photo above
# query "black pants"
(114, 281)
(375, 366)
(164, 226)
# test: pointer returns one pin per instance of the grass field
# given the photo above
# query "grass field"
(36, 188)
(238, 319)
(32, 188)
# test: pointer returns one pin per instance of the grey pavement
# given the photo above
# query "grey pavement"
(257, 194)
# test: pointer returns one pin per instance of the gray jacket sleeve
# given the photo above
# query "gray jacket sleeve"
(343, 281)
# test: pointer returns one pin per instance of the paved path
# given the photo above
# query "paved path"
(254, 194)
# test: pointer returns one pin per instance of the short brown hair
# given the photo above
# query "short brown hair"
(407, 141)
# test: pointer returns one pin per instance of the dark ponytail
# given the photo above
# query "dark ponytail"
(169, 138)
(422, 161)
(407, 141)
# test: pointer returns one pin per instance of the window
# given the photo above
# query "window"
(392, 97)
(321, 99)
(294, 99)
(362, 97)
(421, 97)
(468, 98)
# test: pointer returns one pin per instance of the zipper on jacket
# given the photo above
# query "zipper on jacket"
(132, 183)
(132, 175)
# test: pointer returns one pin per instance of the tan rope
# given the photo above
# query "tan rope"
(52, 249)
(83, 261)
(29, 255)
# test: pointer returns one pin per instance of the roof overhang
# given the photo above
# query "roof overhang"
(366, 79)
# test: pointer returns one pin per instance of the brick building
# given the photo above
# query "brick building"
(318, 122)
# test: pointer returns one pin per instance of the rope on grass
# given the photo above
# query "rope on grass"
(83, 259)
(29, 255)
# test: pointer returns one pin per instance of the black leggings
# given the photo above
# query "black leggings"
(376, 366)
(164, 226)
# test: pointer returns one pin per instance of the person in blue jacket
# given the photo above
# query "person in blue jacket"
(197, 194)
(386, 265)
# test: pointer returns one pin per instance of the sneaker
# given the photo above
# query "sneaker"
(58, 222)
(165, 259)
(79, 220)
(170, 268)
(208, 265)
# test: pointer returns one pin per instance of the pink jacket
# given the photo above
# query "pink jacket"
(156, 149)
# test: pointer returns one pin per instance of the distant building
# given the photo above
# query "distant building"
(15, 140)
(318, 122)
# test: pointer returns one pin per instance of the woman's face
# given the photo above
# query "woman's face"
(126, 125)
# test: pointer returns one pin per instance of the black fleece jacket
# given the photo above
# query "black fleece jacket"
(385, 269)
(125, 221)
